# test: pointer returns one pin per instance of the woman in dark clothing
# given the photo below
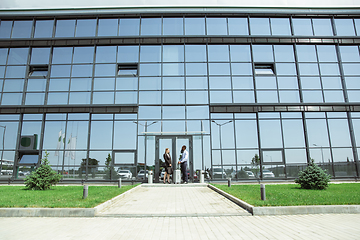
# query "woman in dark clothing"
(168, 169)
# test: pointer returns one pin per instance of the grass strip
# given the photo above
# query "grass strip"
(293, 195)
(58, 196)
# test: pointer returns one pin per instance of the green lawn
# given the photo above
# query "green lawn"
(58, 196)
(293, 195)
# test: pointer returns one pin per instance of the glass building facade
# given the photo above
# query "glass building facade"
(284, 87)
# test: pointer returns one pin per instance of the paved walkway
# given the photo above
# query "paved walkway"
(331, 226)
(173, 201)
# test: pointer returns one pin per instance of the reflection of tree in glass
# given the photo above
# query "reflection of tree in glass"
(92, 164)
(255, 164)
(110, 172)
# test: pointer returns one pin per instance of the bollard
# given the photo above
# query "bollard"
(150, 177)
(85, 192)
(262, 190)
(202, 174)
(229, 182)
(119, 183)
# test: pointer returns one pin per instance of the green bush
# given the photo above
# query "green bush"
(43, 177)
(313, 177)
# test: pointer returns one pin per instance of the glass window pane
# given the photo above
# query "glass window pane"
(317, 132)
(238, 26)
(3, 55)
(196, 69)
(219, 69)
(173, 26)
(326, 53)
(126, 97)
(173, 53)
(289, 96)
(150, 83)
(81, 71)
(246, 134)
(312, 96)
(174, 112)
(5, 29)
(79, 98)
(14, 85)
(173, 69)
(197, 97)
(220, 82)
(108, 27)
(80, 84)
(216, 26)
(352, 82)
(280, 26)
(265, 83)
(11, 99)
(306, 53)
(103, 70)
(103, 98)
(128, 54)
(310, 83)
(59, 85)
(36, 85)
(173, 83)
(284, 53)
(104, 84)
(259, 26)
(240, 53)
(344, 27)
(308, 69)
(101, 135)
(241, 68)
(60, 70)
(150, 69)
(302, 27)
(44, 28)
(331, 82)
(329, 69)
(293, 133)
(244, 97)
(285, 69)
(357, 26)
(129, 27)
(349, 68)
(85, 27)
(270, 134)
(106, 54)
(218, 53)
(149, 112)
(339, 133)
(22, 29)
(149, 97)
(83, 54)
(194, 26)
(263, 53)
(333, 96)
(150, 26)
(220, 97)
(18, 56)
(197, 83)
(62, 55)
(322, 27)
(65, 28)
(40, 55)
(267, 96)
(195, 53)
(150, 53)
(197, 112)
(34, 99)
(173, 97)
(124, 128)
(57, 98)
(354, 96)
(242, 83)
(15, 71)
(349, 53)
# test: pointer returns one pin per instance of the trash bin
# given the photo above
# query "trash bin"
(202, 176)
(150, 177)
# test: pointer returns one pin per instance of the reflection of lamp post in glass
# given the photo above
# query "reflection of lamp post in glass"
(2, 153)
(322, 153)
(270, 158)
(146, 125)
(220, 125)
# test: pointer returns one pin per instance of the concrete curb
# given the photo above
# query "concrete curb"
(110, 202)
(175, 185)
(236, 200)
(290, 210)
(47, 212)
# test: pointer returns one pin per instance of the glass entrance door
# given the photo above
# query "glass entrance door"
(174, 143)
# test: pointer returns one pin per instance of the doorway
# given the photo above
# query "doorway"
(174, 143)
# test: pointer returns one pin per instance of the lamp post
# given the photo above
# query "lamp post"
(2, 153)
(220, 125)
(322, 153)
(146, 125)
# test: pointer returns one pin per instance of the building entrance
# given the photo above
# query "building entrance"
(174, 143)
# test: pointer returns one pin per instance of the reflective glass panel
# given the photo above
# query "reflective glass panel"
(173, 97)
(238, 26)
(280, 26)
(302, 26)
(150, 69)
(15, 71)
(194, 26)
(244, 97)
(5, 29)
(79, 98)
(197, 83)
(173, 53)
(106, 70)
(195, 53)
(18, 56)
(259, 26)
(55, 98)
(62, 55)
(36, 85)
(322, 27)
(263, 53)
(306, 53)
(349, 53)
(83, 54)
(173, 26)
(219, 69)
(289, 96)
(40, 56)
(80, 84)
(198, 69)
(241, 68)
(103, 97)
(59, 85)
(108, 27)
(240, 53)
(150, 26)
(218, 53)
(246, 134)
(129, 27)
(44, 28)
(270, 134)
(128, 54)
(197, 97)
(85, 27)
(101, 135)
(81, 71)
(11, 99)
(65, 28)
(22, 29)
(284, 53)
(150, 53)
(126, 97)
(3, 55)
(216, 26)
(326, 53)
(344, 27)
(106, 54)
(60, 70)
(34, 98)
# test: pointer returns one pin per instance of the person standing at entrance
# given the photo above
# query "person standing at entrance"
(168, 169)
(183, 161)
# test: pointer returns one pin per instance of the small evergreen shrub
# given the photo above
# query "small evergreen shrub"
(43, 177)
(313, 177)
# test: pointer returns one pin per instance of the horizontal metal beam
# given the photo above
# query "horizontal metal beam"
(68, 109)
(157, 40)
